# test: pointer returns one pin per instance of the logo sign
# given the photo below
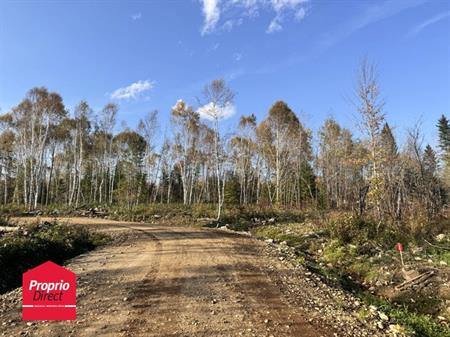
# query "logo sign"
(49, 293)
(399, 247)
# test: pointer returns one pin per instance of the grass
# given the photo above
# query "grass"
(39, 242)
(348, 263)
(236, 218)
(420, 324)
(439, 254)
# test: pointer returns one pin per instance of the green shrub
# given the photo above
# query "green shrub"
(37, 243)
(4, 222)
(349, 228)
(422, 325)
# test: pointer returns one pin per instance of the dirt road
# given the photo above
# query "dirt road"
(169, 281)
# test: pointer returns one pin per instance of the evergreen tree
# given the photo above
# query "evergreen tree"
(429, 161)
(388, 141)
(444, 133)
(444, 143)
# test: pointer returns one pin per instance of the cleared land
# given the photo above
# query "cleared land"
(174, 281)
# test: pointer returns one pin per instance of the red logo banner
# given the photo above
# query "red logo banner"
(49, 293)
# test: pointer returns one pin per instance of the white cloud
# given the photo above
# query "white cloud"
(230, 24)
(280, 5)
(300, 15)
(213, 48)
(210, 112)
(234, 11)
(283, 7)
(429, 22)
(371, 15)
(274, 26)
(237, 57)
(132, 91)
(211, 12)
(136, 16)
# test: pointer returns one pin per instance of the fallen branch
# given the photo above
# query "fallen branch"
(416, 281)
(435, 246)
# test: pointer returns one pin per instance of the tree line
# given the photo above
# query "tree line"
(50, 156)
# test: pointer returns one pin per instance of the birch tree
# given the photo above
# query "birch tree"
(107, 122)
(186, 125)
(217, 102)
(147, 128)
(370, 107)
(245, 151)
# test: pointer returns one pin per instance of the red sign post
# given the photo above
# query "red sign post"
(399, 247)
(49, 293)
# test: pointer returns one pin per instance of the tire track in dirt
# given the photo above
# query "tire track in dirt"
(140, 296)
(169, 281)
(146, 300)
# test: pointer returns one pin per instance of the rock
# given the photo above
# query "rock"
(440, 237)
(396, 329)
(442, 263)
(125, 299)
(383, 316)
(269, 240)
(271, 220)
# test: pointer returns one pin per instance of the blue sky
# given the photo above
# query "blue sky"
(146, 55)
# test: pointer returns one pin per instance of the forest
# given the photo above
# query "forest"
(334, 202)
(225, 168)
(52, 156)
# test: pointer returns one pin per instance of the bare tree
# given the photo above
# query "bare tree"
(147, 128)
(370, 107)
(107, 122)
(186, 125)
(217, 99)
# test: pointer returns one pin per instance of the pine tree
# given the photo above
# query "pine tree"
(432, 191)
(444, 143)
(429, 161)
(388, 142)
(444, 133)
(389, 169)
